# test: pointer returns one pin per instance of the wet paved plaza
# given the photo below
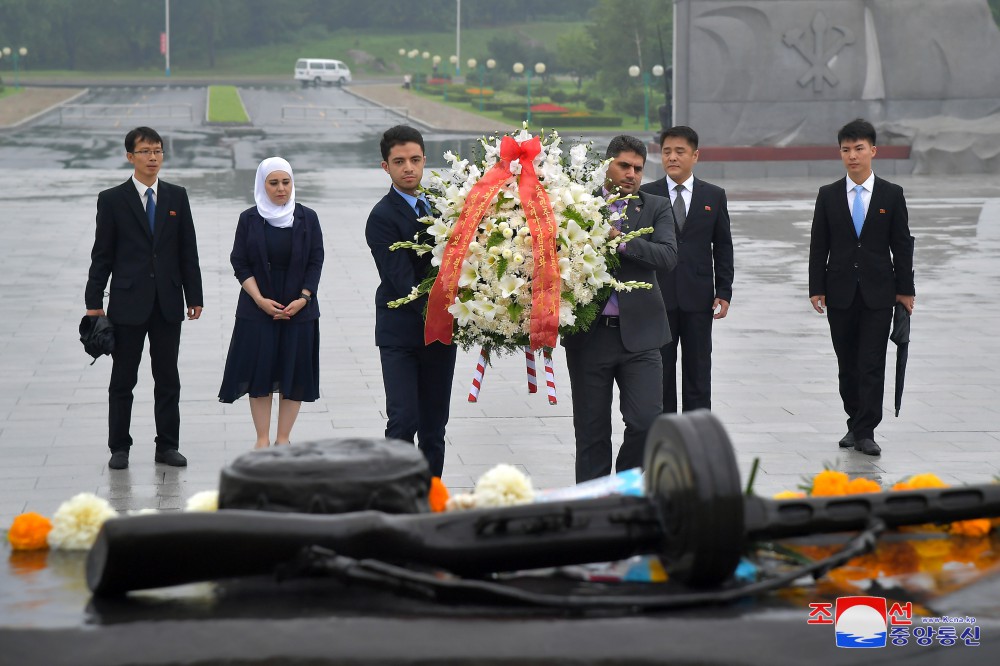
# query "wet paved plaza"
(774, 368)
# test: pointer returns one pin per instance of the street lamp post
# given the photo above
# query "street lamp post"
(16, 54)
(490, 64)
(539, 69)
(634, 72)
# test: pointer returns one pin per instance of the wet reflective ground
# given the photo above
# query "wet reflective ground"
(774, 368)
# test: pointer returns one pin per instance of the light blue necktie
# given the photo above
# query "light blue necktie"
(858, 209)
(150, 208)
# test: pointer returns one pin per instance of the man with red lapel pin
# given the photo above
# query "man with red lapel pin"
(145, 241)
(860, 266)
(699, 290)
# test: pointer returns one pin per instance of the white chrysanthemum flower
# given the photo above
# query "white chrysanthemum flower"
(206, 500)
(518, 258)
(504, 485)
(78, 520)
(510, 285)
(566, 316)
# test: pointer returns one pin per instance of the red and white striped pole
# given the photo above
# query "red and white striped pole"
(529, 359)
(550, 377)
(477, 381)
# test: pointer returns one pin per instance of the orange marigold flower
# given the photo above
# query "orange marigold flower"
(438, 495)
(829, 482)
(29, 531)
(918, 481)
(789, 494)
(862, 485)
(979, 527)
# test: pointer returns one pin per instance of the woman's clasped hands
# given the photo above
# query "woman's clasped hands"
(278, 311)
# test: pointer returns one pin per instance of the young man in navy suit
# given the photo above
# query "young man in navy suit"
(145, 242)
(699, 290)
(417, 377)
(860, 266)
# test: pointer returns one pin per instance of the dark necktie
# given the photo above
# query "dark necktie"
(150, 208)
(679, 213)
(421, 208)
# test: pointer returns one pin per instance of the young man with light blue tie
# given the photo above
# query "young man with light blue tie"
(860, 266)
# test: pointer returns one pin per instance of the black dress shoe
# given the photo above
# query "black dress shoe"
(847, 441)
(867, 447)
(119, 460)
(171, 457)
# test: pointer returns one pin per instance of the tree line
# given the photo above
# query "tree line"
(125, 34)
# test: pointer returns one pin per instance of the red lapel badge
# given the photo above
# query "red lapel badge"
(881, 211)
(173, 213)
(708, 208)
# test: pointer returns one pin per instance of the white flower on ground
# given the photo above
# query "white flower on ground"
(460, 502)
(206, 500)
(78, 520)
(504, 485)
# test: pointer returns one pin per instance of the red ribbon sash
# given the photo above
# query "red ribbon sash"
(544, 327)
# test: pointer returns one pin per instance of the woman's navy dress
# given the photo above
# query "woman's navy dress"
(273, 356)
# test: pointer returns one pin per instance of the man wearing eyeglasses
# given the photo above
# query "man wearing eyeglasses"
(145, 242)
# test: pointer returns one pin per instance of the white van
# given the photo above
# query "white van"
(317, 71)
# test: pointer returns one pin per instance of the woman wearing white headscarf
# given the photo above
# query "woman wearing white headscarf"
(277, 257)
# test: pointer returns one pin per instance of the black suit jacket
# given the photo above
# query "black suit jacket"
(705, 267)
(643, 316)
(249, 259)
(390, 221)
(880, 262)
(144, 267)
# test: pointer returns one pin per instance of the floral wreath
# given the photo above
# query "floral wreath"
(521, 248)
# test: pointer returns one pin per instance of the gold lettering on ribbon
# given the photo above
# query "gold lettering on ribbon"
(544, 321)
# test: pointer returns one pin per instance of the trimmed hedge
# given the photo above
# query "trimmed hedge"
(541, 118)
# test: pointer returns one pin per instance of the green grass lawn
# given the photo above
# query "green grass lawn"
(225, 105)
(8, 91)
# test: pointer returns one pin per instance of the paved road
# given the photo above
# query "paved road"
(775, 373)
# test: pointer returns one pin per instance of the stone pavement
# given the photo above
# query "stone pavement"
(775, 373)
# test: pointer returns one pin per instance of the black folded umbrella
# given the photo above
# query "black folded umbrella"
(901, 336)
(97, 334)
